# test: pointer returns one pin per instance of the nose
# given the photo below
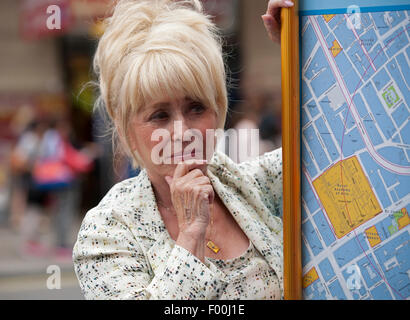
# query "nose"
(180, 126)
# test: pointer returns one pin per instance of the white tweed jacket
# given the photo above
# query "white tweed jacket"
(123, 250)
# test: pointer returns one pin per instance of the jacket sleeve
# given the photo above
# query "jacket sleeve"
(266, 170)
(110, 264)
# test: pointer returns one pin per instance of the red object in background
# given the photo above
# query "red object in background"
(56, 173)
(77, 161)
(52, 173)
(34, 17)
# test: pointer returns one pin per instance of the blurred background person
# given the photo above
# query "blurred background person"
(22, 161)
(58, 172)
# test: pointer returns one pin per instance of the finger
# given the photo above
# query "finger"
(276, 16)
(181, 202)
(204, 192)
(187, 186)
(191, 175)
(203, 180)
(193, 192)
(205, 202)
(275, 5)
(203, 212)
(202, 186)
(273, 9)
(201, 194)
(188, 214)
(211, 194)
(272, 27)
(187, 196)
(184, 167)
(271, 23)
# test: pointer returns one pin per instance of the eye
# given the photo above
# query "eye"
(197, 107)
(159, 116)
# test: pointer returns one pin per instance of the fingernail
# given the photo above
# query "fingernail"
(289, 3)
(266, 19)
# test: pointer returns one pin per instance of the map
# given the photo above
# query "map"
(355, 140)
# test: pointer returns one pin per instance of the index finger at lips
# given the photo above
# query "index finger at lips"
(184, 167)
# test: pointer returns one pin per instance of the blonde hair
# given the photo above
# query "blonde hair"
(154, 49)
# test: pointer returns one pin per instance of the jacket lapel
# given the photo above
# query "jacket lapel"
(246, 207)
(150, 228)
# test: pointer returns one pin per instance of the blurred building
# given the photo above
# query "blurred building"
(43, 72)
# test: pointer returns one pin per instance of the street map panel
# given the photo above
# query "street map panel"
(355, 140)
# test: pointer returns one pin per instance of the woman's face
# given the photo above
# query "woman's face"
(168, 131)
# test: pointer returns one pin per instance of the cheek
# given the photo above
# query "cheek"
(208, 130)
(142, 140)
(207, 122)
(152, 144)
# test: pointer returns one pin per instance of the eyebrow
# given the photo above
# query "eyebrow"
(160, 105)
(167, 104)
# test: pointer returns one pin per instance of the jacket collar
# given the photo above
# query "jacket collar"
(230, 182)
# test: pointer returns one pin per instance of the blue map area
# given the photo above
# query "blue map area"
(355, 102)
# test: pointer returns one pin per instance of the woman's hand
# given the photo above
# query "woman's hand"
(192, 196)
(271, 19)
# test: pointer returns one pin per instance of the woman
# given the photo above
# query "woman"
(191, 225)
